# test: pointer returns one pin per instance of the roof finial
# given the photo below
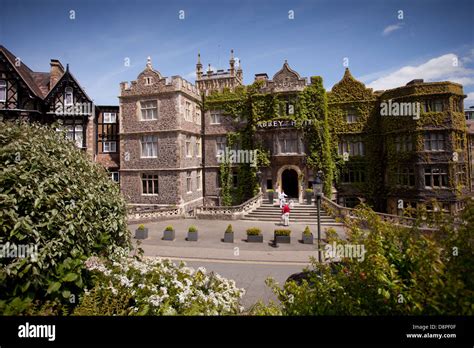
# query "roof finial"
(148, 62)
(232, 54)
(67, 67)
(347, 73)
(199, 58)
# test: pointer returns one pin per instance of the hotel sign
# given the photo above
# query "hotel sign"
(282, 124)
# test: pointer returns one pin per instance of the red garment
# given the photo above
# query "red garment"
(286, 209)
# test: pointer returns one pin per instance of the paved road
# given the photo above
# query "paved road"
(251, 277)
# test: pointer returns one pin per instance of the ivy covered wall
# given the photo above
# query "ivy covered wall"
(349, 111)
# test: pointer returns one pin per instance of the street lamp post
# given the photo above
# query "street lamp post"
(318, 190)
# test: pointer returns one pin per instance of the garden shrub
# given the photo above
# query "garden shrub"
(229, 229)
(53, 198)
(253, 231)
(282, 232)
(404, 272)
(157, 287)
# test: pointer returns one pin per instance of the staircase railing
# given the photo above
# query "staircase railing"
(229, 212)
(338, 211)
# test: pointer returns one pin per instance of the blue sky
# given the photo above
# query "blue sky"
(434, 40)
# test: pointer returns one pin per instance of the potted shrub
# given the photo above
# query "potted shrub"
(282, 236)
(307, 236)
(141, 232)
(254, 235)
(309, 195)
(192, 234)
(270, 193)
(229, 235)
(168, 233)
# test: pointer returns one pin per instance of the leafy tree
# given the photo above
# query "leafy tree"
(54, 199)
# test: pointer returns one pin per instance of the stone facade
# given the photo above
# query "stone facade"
(160, 130)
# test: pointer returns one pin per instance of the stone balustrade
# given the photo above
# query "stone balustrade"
(144, 213)
(228, 212)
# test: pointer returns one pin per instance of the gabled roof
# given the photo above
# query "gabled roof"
(285, 69)
(34, 81)
(67, 74)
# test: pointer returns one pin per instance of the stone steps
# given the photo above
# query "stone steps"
(301, 213)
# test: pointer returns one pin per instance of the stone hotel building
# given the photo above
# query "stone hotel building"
(168, 146)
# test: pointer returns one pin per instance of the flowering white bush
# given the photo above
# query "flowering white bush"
(160, 287)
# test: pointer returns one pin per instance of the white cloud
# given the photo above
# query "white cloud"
(391, 28)
(469, 101)
(447, 67)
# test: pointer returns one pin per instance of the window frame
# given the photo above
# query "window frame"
(189, 182)
(4, 87)
(441, 175)
(198, 146)
(112, 174)
(217, 117)
(147, 108)
(109, 114)
(109, 142)
(155, 187)
(68, 91)
(437, 138)
(144, 142)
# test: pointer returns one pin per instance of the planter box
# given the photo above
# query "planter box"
(254, 238)
(192, 236)
(307, 239)
(282, 239)
(229, 237)
(141, 234)
(309, 199)
(168, 235)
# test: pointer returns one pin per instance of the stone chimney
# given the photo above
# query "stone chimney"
(123, 86)
(57, 70)
(261, 77)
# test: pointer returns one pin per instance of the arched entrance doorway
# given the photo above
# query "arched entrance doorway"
(289, 179)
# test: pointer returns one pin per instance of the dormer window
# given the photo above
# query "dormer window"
(148, 81)
(68, 96)
(3, 90)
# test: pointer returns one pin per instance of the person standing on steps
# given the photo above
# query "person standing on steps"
(282, 198)
(285, 215)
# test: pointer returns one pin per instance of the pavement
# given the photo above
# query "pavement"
(249, 264)
(211, 247)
